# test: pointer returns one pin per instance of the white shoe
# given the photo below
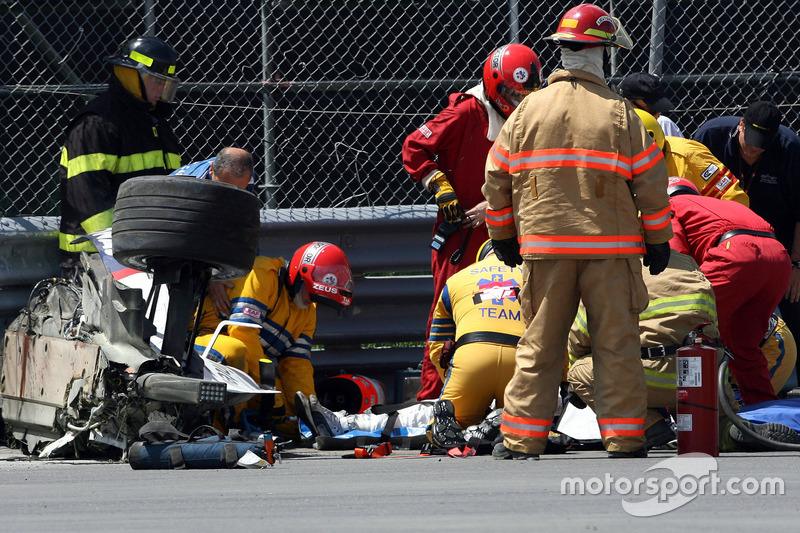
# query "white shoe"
(302, 408)
(325, 418)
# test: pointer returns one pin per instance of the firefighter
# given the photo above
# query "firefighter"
(565, 180)
(281, 300)
(476, 327)
(749, 269)
(121, 134)
(447, 155)
(691, 160)
(681, 298)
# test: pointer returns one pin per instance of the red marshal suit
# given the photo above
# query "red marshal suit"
(749, 274)
(454, 142)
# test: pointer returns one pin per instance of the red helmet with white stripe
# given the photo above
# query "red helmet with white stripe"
(324, 270)
(512, 72)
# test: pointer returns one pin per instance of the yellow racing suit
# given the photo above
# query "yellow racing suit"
(285, 335)
(479, 311)
(692, 160)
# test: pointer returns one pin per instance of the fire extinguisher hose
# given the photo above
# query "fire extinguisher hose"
(723, 401)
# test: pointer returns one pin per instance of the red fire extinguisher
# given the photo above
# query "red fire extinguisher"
(698, 404)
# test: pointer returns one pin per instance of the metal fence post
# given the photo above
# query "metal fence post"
(657, 31)
(149, 17)
(513, 21)
(269, 137)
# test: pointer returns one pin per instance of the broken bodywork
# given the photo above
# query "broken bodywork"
(75, 364)
(83, 366)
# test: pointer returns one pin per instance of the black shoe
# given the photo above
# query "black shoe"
(659, 434)
(445, 432)
(772, 431)
(636, 454)
(557, 443)
(501, 452)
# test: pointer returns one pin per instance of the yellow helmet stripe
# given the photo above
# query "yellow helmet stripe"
(598, 33)
(141, 58)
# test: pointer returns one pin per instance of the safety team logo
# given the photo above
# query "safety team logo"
(496, 289)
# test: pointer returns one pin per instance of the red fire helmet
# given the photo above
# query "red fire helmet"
(590, 25)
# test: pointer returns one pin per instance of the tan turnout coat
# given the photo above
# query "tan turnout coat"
(563, 186)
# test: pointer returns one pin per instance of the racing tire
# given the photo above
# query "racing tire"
(166, 218)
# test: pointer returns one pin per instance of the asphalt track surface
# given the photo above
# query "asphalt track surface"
(320, 491)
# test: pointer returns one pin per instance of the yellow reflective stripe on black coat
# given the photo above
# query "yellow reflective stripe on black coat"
(116, 137)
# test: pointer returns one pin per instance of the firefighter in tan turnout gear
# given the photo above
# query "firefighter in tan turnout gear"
(566, 180)
(681, 298)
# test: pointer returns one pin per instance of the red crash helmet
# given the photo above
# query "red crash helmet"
(325, 271)
(590, 25)
(353, 393)
(510, 73)
(679, 185)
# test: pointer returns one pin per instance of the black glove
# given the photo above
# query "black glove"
(507, 251)
(575, 400)
(656, 257)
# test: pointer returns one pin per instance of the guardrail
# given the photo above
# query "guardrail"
(389, 254)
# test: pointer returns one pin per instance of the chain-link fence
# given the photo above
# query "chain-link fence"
(323, 92)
